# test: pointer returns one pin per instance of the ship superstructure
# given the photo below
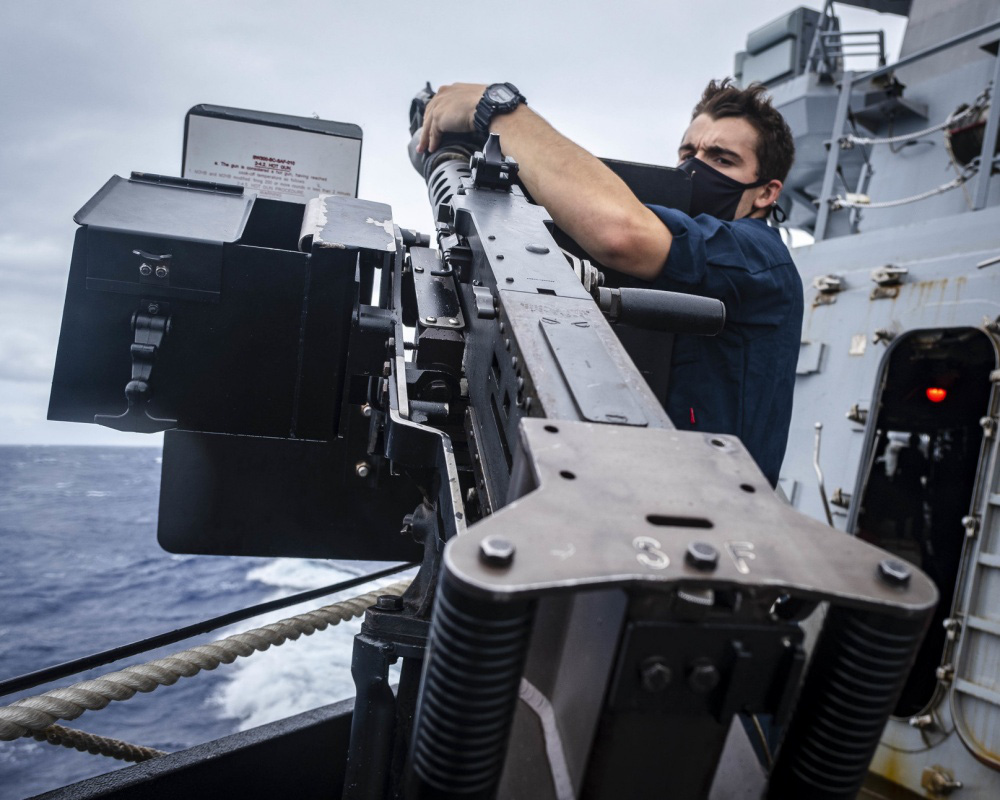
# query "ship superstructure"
(894, 430)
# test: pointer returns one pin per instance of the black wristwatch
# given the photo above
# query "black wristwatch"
(499, 98)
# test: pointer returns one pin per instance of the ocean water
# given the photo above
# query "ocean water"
(81, 571)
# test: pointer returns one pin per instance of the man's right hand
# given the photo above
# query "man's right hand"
(451, 110)
(586, 199)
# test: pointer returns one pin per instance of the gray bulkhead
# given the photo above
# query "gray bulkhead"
(875, 276)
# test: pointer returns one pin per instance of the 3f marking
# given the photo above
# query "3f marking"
(649, 553)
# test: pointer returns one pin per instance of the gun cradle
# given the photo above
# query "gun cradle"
(622, 599)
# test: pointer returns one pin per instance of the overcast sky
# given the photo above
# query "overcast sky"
(93, 89)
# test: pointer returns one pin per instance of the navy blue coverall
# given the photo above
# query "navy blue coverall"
(739, 382)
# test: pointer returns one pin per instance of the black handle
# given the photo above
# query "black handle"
(671, 312)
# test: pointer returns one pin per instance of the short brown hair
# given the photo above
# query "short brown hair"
(775, 145)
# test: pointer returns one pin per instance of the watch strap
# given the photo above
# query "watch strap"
(486, 109)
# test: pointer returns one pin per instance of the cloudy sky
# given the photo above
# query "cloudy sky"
(97, 88)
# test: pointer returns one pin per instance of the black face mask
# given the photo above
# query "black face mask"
(712, 192)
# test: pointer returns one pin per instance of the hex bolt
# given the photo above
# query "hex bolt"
(496, 551)
(939, 781)
(366, 410)
(924, 722)
(702, 555)
(145, 269)
(162, 272)
(655, 674)
(430, 320)
(362, 469)
(153, 308)
(703, 676)
(452, 321)
(389, 602)
(894, 572)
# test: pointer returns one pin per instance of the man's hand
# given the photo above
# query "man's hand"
(586, 199)
(451, 110)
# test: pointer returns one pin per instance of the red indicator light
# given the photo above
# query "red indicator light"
(936, 395)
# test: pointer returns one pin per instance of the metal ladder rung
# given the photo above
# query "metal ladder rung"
(977, 691)
(994, 499)
(989, 560)
(983, 624)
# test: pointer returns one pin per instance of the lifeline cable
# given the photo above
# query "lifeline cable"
(850, 140)
(96, 745)
(839, 202)
(32, 714)
(64, 670)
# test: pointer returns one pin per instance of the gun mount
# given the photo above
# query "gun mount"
(599, 592)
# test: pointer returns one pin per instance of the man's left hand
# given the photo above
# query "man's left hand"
(451, 110)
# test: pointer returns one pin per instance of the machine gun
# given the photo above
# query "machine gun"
(600, 595)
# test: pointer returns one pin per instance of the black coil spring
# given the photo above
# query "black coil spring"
(475, 659)
(857, 673)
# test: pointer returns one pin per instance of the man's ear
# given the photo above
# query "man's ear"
(769, 194)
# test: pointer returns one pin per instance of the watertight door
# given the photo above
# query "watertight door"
(924, 466)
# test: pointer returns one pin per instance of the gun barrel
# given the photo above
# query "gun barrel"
(443, 170)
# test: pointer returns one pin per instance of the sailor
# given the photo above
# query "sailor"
(738, 151)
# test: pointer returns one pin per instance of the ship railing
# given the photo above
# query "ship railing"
(837, 46)
(846, 84)
(831, 47)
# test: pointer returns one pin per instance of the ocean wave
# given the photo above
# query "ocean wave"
(290, 679)
(299, 574)
(80, 577)
(297, 676)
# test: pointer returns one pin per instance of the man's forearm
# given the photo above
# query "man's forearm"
(584, 197)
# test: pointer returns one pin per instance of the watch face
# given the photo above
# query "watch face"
(498, 93)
